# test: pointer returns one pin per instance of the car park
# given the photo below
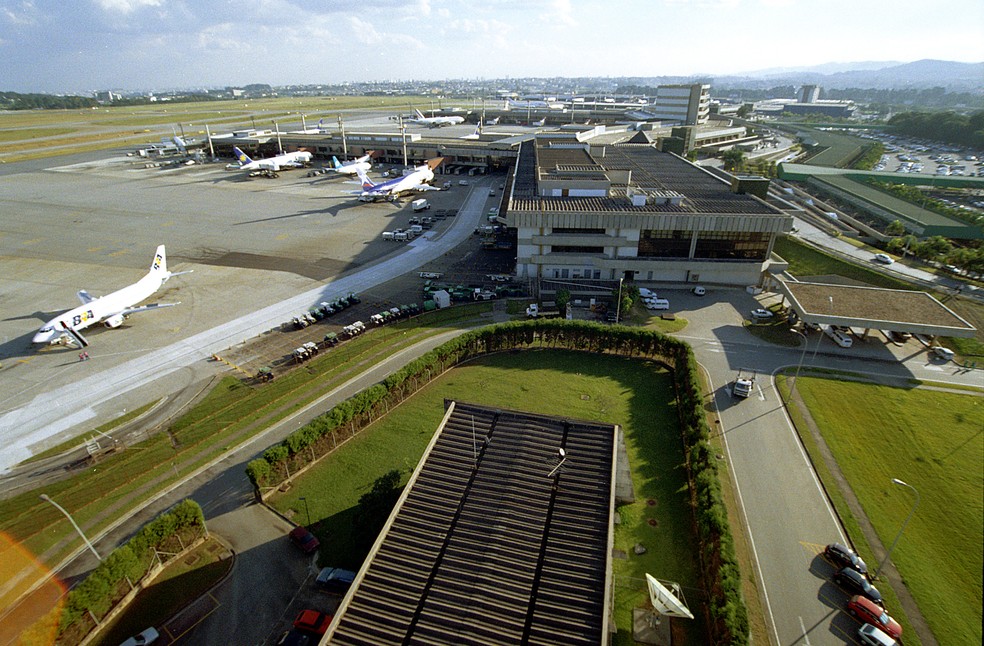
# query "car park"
(305, 540)
(856, 583)
(843, 556)
(148, 636)
(884, 258)
(874, 636)
(869, 612)
(762, 314)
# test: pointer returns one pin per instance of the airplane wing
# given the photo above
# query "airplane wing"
(152, 306)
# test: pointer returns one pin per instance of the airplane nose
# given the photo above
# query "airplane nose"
(42, 337)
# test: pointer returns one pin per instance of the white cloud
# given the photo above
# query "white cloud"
(559, 14)
(127, 6)
(22, 15)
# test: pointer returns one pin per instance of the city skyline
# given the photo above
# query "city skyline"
(137, 45)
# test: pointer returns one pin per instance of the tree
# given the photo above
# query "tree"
(744, 110)
(895, 228)
(732, 158)
(375, 507)
(562, 298)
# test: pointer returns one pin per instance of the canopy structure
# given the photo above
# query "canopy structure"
(665, 601)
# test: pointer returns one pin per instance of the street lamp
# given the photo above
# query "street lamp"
(618, 303)
(307, 510)
(901, 529)
(830, 299)
(45, 498)
(792, 389)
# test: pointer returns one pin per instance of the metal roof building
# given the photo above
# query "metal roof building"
(502, 536)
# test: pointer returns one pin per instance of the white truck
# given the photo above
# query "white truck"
(743, 385)
(420, 205)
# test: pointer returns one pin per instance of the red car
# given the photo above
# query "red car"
(304, 539)
(312, 621)
(870, 612)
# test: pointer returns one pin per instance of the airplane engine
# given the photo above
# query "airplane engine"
(114, 321)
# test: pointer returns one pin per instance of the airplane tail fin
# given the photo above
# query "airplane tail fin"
(434, 163)
(334, 160)
(366, 182)
(420, 115)
(179, 142)
(241, 157)
(159, 266)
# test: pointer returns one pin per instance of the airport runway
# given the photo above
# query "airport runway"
(261, 250)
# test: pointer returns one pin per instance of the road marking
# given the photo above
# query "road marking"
(806, 638)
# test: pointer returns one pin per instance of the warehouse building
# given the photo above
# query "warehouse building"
(502, 536)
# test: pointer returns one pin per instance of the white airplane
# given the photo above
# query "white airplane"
(111, 309)
(281, 161)
(415, 180)
(434, 122)
(352, 167)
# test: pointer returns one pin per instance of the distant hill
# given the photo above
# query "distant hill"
(951, 75)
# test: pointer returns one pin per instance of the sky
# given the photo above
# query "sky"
(76, 46)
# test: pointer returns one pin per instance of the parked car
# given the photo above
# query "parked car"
(657, 304)
(871, 613)
(944, 354)
(335, 579)
(297, 638)
(312, 621)
(646, 293)
(148, 636)
(856, 583)
(843, 556)
(304, 539)
(762, 314)
(884, 258)
(875, 636)
(699, 290)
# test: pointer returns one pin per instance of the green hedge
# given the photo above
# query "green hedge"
(127, 564)
(719, 564)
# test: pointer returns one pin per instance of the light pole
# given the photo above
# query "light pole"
(830, 299)
(45, 498)
(792, 389)
(618, 303)
(307, 510)
(901, 529)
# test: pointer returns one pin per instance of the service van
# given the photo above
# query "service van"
(420, 205)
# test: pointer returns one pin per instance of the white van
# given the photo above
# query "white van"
(838, 337)
(657, 304)
(420, 205)
(699, 290)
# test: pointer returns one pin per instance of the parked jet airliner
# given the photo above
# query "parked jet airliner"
(415, 180)
(434, 122)
(284, 160)
(111, 309)
(352, 167)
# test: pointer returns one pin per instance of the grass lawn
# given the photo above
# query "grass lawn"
(932, 440)
(634, 394)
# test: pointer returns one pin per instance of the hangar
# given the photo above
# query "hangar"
(502, 536)
(873, 308)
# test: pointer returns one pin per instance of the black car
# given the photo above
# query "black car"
(335, 579)
(843, 556)
(856, 583)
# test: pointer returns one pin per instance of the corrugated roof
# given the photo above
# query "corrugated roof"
(494, 549)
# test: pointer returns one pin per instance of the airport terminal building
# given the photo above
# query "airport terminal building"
(585, 213)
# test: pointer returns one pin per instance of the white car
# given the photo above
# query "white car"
(945, 354)
(762, 313)
(148, 636)
(884, 258)
(646, 293)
